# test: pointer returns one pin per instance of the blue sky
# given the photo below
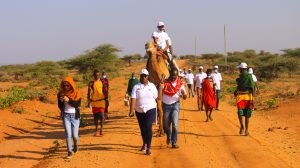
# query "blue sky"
(35, 30)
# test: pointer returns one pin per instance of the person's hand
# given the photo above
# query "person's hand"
(66, 99)
(131, 114)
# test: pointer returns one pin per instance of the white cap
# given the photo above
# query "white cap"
(160, 24)
(216, 67)
(180, 70)
(155, 34)
(200, 67)
(242, 65)
(144, 71)
(190, 69)
(250, 71)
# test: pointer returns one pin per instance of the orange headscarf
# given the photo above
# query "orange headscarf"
(73, 93)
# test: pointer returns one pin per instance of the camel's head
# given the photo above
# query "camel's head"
(151, 48)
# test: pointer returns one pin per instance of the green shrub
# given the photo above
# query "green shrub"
(14, 95)
(271, 103)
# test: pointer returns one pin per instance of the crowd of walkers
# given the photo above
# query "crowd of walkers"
(143, 95)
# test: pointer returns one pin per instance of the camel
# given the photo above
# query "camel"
(158, 71)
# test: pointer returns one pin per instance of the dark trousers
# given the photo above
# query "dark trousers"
(145, 122)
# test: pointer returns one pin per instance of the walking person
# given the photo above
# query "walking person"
(105, 84)
(190, 81)
(69, 100)
(96, 99)
(256, 90)
(244, 97)
(217, 77)
(208, 94)
(131, 83)
(143, 103)
(171, 91)
(198, 85)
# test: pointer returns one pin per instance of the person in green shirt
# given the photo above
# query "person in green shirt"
(132, 81)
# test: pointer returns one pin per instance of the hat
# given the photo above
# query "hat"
(242, 65)
(155, 34)
(200, 67)
(160, 24)
(144, 71)
(216, 67)
(190, 69)
(180, 70)
(250, 71)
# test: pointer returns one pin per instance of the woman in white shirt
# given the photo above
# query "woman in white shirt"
(143, 102)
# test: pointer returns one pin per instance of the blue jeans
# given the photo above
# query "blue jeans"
(71, 126)
(145, 122)
(171, 115)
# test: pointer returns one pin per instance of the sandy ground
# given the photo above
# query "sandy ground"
(35, 138)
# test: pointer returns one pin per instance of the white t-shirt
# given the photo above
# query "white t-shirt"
(254, 78)
(175, 98)
(145, 96)
(199, 78)
(162, 38)
(217, 77)
(68, 108)
(190, 78)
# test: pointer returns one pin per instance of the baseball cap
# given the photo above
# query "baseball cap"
(200, 67)
(242, 65)
(160, 23)
(144, 71)
(250, 71)
(216, 67)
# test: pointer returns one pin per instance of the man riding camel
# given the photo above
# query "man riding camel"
(164, 44)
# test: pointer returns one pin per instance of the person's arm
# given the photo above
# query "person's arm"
(73, 103)
(90, 85)
(256, 86)
(132, 105)
(195, 84)
(183, 92)
(167, 46)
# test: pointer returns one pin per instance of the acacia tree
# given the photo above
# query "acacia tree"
(291, 52)
(103, 57)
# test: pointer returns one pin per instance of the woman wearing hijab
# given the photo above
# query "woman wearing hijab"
(69, 102)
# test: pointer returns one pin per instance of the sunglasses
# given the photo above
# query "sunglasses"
(143, 76)
(66, 85)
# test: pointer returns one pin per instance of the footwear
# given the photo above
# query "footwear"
(101, 133)
(168, 141)
(69, 155)
(75, 149)
(96, 133)
(246, 133)
(241, 131)
(143, 148)
(210, 118)
(174, 146)
(148, 152)
(217, 109)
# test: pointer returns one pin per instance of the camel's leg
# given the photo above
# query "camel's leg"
(160, 118)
